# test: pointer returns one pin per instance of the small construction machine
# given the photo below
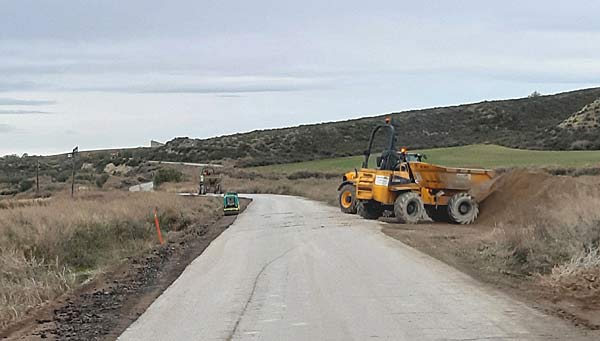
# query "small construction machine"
(407, 187)
(210, 181)
(231, 203)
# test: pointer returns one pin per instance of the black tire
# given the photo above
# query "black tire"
(345, 206)
(408, 208)
(462, 209)
(439, 214)
(369, 209)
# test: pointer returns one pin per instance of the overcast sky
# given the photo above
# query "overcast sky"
(117, 73)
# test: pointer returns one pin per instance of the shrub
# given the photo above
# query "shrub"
(167, 175)
(309, 174)
(101, 180)
(84, 177)
(25, 185)
(63, 176)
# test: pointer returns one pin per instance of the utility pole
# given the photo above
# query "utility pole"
(73, 154)
(37, 179)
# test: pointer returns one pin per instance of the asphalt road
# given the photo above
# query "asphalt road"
(293, 269)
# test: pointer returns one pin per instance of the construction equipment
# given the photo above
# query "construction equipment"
(406, 186)
(231, 203)
(210, 181)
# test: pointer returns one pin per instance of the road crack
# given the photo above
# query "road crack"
(262, 270)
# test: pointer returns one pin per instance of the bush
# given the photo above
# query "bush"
(167, 175)
(25, 185)
(63, 176)
(101, 180)
(309, 174)
(134, 162)
(84, 177)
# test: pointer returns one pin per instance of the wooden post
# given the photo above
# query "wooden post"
(75, 150)
(37, 179)
(73, 177)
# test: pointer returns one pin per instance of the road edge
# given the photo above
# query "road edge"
(105, 307)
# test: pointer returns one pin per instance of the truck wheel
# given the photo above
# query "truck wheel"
(439, 214)
(369, 210)
(408, 208)
(347, 199)
(463, 209)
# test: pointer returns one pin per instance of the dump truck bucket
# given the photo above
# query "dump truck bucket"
(478, 182)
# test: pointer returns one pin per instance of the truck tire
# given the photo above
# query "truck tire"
(347, 199)
(439, 214)
(408, 208)
(369, 209)
(463, 209)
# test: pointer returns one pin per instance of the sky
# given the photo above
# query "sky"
(112, 73)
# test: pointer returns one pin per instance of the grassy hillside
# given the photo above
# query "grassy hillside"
(487, 156)
(527, 123)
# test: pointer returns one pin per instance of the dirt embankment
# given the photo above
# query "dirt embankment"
(538, 236)
(525, 197)
(105, 307)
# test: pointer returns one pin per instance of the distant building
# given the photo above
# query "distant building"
(156, 144)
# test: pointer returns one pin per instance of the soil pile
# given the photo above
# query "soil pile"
(523, 197)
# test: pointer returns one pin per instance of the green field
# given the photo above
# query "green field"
(486, 156)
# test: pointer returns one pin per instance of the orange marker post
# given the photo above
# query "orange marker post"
(160, 238)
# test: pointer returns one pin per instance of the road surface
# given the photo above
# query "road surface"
(294, 269)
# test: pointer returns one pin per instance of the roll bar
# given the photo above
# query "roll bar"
(390, 144)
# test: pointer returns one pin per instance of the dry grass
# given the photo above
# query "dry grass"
(47, 250)
(560, 248)
(313, 185)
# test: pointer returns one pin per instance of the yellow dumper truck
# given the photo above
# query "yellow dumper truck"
(404, 185)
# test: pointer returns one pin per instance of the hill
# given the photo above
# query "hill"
(528, 123)
(486, 156)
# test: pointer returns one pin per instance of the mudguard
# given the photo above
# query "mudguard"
(345, 183)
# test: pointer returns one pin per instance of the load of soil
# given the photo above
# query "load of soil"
(522, 197)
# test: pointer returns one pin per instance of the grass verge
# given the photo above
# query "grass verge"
(50, 249)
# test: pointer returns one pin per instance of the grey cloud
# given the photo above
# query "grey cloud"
(14, 101)
(20, 86)
(5, 128)
(213, 85)
(192, 89)
(24, 112)
(229, 96)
